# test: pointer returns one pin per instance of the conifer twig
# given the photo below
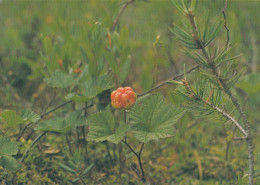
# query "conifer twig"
(166, 81)
(225, 22)
(227, 90)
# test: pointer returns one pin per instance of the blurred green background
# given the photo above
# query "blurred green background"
(156, 56)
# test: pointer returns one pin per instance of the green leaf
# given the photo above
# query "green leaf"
(62, 125)
(194, 4)
(153, 119)
(84, 55)
(78, 98)
(11, 118)
(125, 70)
(47, 46)
(102, 127)
(124, 35)
(28, 115)
(10, 163)
(95, 85)
(88, 169)
(178, 5)
(65, 167)
(76, 119)
(7, 147)
(59, 79)
(55, 124)
(111, 61)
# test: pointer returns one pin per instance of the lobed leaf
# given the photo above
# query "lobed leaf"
(102, 127)
(62, 125)
(152, 119)
(60, 80)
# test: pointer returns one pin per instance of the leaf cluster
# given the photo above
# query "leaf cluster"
(146, 122)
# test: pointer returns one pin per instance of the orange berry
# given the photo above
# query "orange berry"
(123, 97)
(78, 70)
(48, 19)
(60, 62)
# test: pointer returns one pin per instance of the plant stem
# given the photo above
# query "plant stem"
(42, 116)
(140, 162)
(68, 143)
(138, 155)
(166, 81)
(120, 14)
(33, 143)
(80, 177)
(228, 144)
(108, 152)
(84, 140)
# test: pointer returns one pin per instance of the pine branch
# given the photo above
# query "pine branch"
(226, 89)
(192, 94)
(166, 81)
(225, 22)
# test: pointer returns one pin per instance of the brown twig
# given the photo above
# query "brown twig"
(225, 22)
(115, 22)
(167, 81)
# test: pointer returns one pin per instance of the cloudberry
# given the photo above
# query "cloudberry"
(123, 97)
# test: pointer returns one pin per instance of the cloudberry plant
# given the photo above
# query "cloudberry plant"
(123, 97)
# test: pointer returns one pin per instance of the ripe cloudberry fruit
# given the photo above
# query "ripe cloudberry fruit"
(78, 70)
(123, 97)
(60, 62)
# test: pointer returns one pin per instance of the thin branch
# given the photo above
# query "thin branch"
(115, 22)
(42, 116)
(82, 180)
(50, 103)
(240, 138)
(225, 22)
(166, 81)
(136, 154)
(222, 112)
(33, 143)
(56, 108)
(229, 143)
(88, 106)
(140, 152)
(231, 119)
(23, 130)
(68, 143)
